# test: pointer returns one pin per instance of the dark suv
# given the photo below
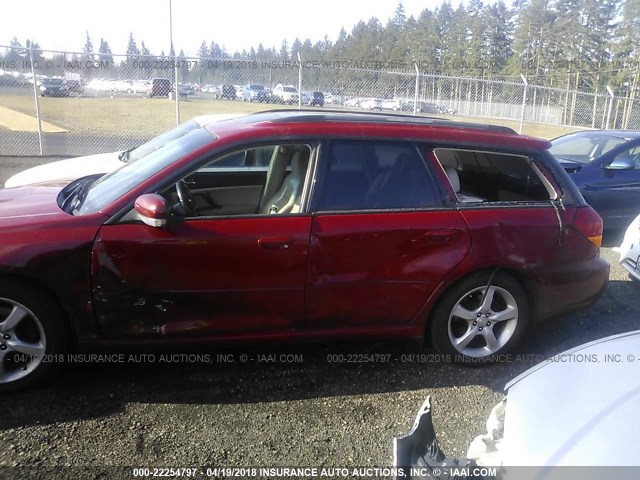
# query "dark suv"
(299, 225)
(53, 87)
(159, 87)
(421, 107)
(225, 91)
(313, 99)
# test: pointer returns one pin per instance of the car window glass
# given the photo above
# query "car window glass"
(612, 143)
(115, 184)
(237, 183)
(361, 175)
(259, 157)
(582, 148)
(631, 155)
(160, 140)
(484, 176)
(572, 146)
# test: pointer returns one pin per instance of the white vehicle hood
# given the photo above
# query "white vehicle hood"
(579, 407)
(71, 168)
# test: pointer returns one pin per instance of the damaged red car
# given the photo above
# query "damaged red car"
(299, 225)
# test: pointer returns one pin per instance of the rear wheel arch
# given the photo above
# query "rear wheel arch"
(433, 333)
(526, 282)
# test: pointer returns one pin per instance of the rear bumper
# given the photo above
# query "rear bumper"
(570, 289)
(632, 267)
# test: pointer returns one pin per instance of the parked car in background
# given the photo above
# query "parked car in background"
(72, 168)
(118, 86)
(352, 102)
(172, 248)
(592, 427)
(371, 104)
(629, 250)
(53, 87)
(253, 92)
(605, 165)
(138, 86)
(224, 91)
(446, 110)
(392, 104)
(159, 87)
(313, 99)
(100, 85)
(285, 94)
(74, 86)
(422, 107)
(334, 98)
(185, 89)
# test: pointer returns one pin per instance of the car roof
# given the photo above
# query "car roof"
(628, 134)
(378, 125)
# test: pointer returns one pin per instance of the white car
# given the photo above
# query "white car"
(138, 86)
(577, 408)
(286, 93)
(371, 104)
(73, 168)
(352, 102)
(391, 104)
(630, 249)
(100, 85)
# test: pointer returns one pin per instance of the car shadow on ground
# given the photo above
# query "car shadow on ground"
(286, 373)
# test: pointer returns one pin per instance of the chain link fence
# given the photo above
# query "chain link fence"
(70, 103)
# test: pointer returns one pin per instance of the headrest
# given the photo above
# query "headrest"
(299, 163)
(452, 174)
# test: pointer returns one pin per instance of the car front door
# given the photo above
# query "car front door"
(226, 274)
(381, 241)
(615, 191)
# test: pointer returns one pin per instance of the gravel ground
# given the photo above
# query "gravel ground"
(313, 412)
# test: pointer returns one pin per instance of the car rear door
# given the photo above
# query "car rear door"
(381, 239)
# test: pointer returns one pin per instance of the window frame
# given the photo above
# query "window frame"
(532, 161)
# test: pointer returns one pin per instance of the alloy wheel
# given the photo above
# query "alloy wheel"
(23, 341)
(480, 325)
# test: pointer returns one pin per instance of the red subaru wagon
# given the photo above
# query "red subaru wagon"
(298, 225)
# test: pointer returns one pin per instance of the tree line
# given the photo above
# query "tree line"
(582, 44)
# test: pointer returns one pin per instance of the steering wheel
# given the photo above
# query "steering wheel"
(186, 199)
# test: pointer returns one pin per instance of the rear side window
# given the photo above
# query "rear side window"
(359, 175)
(483, 176)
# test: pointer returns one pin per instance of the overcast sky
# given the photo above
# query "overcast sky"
(237, 25)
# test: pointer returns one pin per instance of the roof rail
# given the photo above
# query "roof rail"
(294, 115)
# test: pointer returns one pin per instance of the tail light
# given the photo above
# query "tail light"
(589, 223)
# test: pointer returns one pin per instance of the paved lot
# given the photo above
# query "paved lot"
(313, 412)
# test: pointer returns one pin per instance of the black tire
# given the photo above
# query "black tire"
(54, 326)
(446, 328)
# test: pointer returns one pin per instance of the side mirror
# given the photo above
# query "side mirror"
(621, 164)
(152, 209)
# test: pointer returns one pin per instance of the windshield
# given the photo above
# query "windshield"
(160, 140)
(584, 148)
(114, 185)
(289, 89)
